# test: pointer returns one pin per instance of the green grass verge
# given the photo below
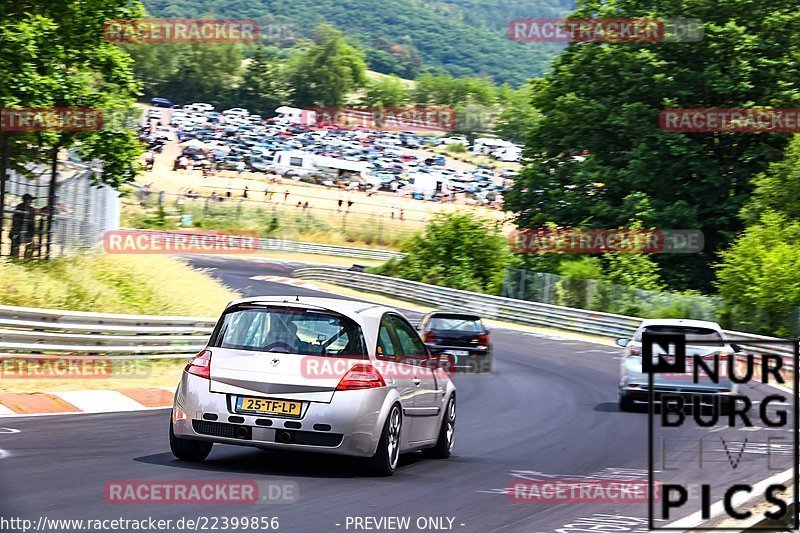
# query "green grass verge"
(134, 284)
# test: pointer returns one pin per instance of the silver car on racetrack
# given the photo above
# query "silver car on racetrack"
(710, 343)
(315, 374)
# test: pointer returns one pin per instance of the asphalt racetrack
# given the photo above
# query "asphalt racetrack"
(548, 411)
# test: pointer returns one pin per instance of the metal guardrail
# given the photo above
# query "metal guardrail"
(29, 331)
(326, 249)
(26, 331)
(509, 309)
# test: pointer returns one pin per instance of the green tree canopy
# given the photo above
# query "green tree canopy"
(387, 91)
(778, 188)
(263, 87)
(605, 100)
(53, 54)
(324, 74)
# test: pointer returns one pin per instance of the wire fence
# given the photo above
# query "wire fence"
(603, 296)
(36, 225)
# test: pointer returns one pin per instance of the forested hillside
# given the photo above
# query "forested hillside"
(405, 37)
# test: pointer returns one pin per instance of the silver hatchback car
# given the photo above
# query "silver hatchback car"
(315, 374)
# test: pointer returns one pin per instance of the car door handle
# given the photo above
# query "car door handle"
(417, 382)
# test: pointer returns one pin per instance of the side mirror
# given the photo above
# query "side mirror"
(623, 342)
(736, 348)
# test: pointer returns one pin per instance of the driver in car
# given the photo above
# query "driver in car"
(286, 337)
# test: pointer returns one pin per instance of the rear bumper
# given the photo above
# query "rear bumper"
(477, 361)
(350, 424)
(705, 396)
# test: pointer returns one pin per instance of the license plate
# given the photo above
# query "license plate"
(264, 406)
(458, 352)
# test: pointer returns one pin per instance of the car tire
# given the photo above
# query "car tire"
(194, 451)
(386, 457)
(444, 444)
(625, 404)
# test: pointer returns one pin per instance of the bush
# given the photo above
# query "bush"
(456, 148)
(758, 274)
(461, 251)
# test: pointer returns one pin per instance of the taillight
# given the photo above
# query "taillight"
(723, 356)
(200, 365)
(483, 340)
(633, 351)
(361, 376)
(429, 337)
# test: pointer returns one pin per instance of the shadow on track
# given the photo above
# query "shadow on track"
(276, 463)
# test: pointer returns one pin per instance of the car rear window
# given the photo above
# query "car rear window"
(469, 324)
(693, 334)
(290, 330)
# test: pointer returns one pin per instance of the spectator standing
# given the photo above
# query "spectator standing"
(23, 227)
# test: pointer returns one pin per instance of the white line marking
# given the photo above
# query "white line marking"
(4, 454)
(5, 410)
(99, 401)
(8, 431)
(15, 415)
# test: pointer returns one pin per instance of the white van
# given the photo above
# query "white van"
(297, 161)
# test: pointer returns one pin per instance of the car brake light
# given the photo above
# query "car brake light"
(723, 356)
(361, 376)
(429, 337)
(634, 351)
(200, 366)
(483, 340)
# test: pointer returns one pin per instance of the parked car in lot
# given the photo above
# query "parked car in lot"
(259, 164)
(235, 112)
(460, 338)
(162, 102)
(199, 107)
(455, 140)
(633, 382)
(165, 132)
(314, 374)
